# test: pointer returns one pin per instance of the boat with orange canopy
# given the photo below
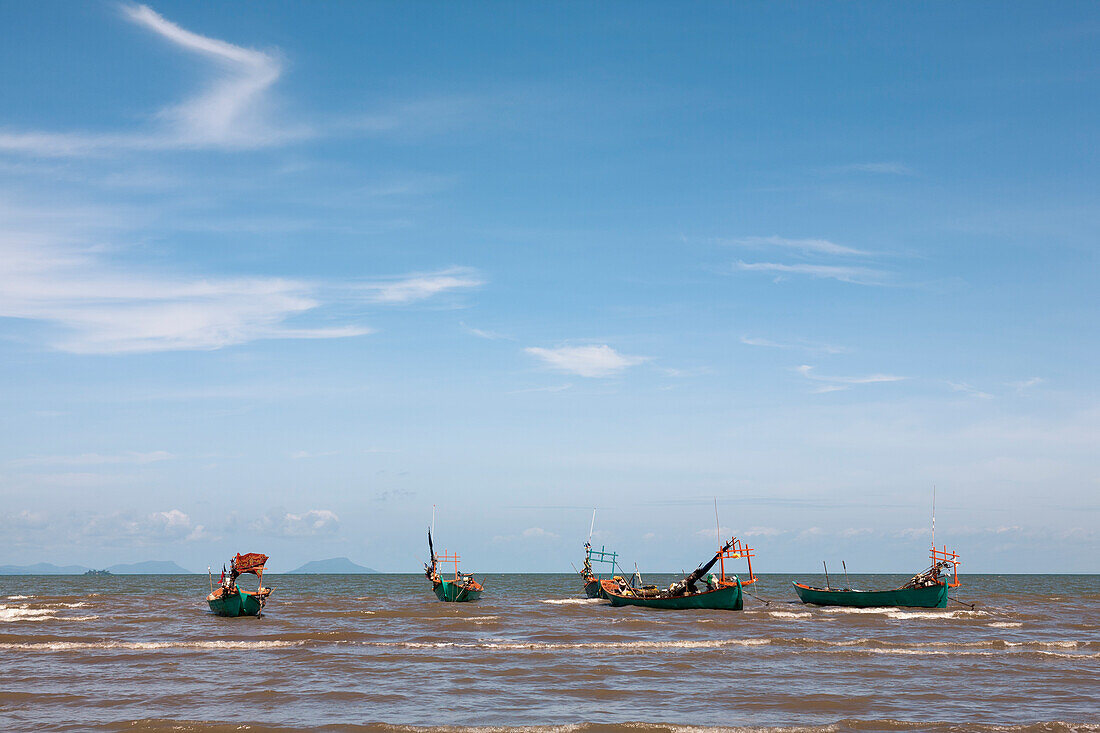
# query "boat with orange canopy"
(229, 600)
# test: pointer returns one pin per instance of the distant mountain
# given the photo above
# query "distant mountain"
(334, 566)
(150, 567)
(42, 568)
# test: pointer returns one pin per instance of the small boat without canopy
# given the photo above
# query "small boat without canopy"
(927, 589)
(595, 586)
(457, 588)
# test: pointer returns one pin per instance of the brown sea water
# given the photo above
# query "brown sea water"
(369, 652)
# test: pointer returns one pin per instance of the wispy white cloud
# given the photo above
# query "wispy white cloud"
(538, 533)
(685, 373)
(313, 523)
(586, 361)
(419, 286)
(835, 383)
(104, 308)
(232, 111)
(1026, 383)
(95, 459)
(844, 273)
(810, 246)
(57, 271)
(805, 345)
(481, 333)
(549, 388)
(970, 390)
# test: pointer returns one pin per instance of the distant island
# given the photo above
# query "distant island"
(151, 567)
(333, 566)
(43, 568)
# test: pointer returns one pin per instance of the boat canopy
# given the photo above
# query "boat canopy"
(253, 562)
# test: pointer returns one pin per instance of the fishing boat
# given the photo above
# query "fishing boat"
(456, 588)
(594, 585)
(229, 600)
(720, 592)
(927, 589)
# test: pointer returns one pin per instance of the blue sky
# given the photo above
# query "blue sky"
(283, 277)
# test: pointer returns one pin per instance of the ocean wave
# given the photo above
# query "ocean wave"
(898, 614)
(790, 614)
(22, 613)
(570, 601)
(1005, 625)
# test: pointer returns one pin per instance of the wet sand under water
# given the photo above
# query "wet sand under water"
(381, 653)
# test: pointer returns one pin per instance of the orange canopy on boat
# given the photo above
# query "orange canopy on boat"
(253, 563)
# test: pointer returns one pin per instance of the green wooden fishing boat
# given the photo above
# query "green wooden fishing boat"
(452, 592)
(594, 585)
(721, 593)
(726, 597)
(934, 596)
(229, 600)
(927, 589)
(240, 603)
(458, 588)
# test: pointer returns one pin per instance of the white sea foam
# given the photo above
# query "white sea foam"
(790, 614)
(22, 613)
(570, 601)
(1005, 625)
(898, 614)
(19, 598)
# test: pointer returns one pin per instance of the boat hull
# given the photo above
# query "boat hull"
(726, 598)
(452, 592)
(932, 597)
(241, 603)
(596, 588)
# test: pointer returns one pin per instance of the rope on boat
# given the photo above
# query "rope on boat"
(962, 603)
(762, 600)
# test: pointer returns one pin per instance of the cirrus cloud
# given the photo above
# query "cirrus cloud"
(586, 361)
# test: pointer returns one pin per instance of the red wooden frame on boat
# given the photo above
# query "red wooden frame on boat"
(448, 559)
(736, 551)
(950, 557)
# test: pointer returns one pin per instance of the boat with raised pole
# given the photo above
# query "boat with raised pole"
(228, 599)
(453, 587)
(595, 585)
(927, 589)
(719, 592)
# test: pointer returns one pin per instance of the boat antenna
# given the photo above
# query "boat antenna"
(433, 518)
(933, 515)
(211, 577)
(717, 524)
(847, 585)
(592, 526)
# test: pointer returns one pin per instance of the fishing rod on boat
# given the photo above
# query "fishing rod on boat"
(847, 585)
(962, 603)
(826, 573)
